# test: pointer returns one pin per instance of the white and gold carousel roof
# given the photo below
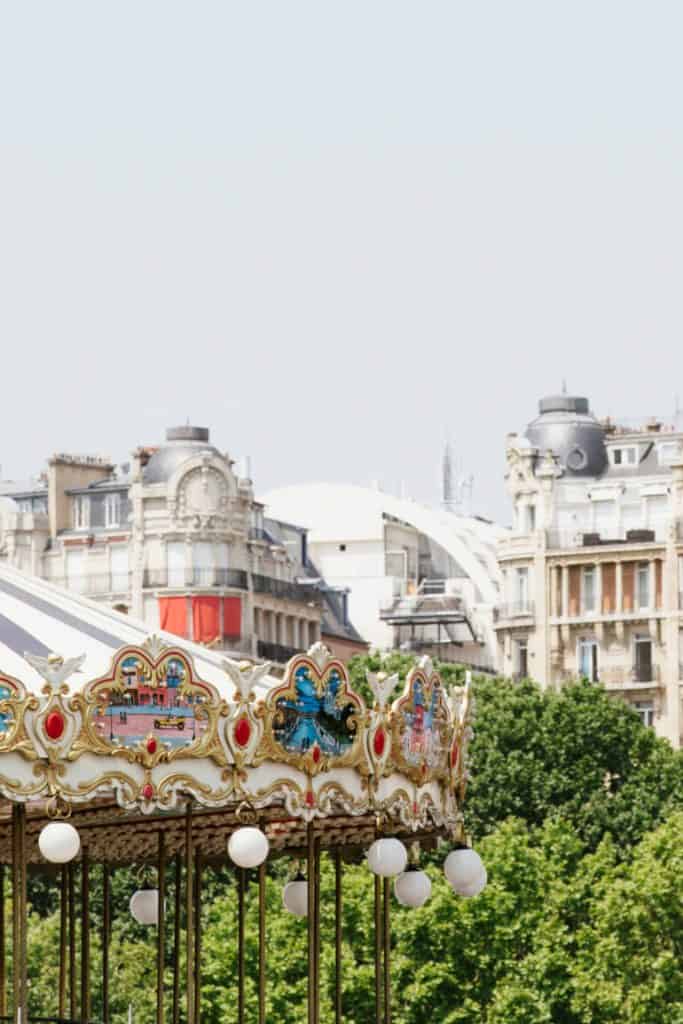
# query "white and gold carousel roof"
(122, 731)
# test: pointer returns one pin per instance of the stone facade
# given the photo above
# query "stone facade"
(177, 539)
(592, 571)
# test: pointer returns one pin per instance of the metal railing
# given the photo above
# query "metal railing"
(275, 652)
(285, 589)
(95, 583)
(631, 676)
(206, 576)
(514, 610)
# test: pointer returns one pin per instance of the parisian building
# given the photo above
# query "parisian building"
(177, 539)
(592, 570)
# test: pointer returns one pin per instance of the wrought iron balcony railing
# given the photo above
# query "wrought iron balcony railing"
(207, 576)
(95, 583)
(290, 591)
(275, 652)
(515, 610)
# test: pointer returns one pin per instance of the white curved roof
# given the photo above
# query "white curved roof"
(338, 512)
(40, 619)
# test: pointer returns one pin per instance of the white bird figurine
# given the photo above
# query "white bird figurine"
(55, 669)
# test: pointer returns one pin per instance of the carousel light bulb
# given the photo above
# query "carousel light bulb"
(248, 847)
(59, 842)
(295, 896)
(144, 906)
(465, 871)
(413, 888)
(387, 857)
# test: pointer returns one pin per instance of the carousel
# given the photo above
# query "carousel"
(118, 749)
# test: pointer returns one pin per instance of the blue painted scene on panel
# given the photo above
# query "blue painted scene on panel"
(315, 718)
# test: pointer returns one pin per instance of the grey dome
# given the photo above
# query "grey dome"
(182, 443)
(566, 427)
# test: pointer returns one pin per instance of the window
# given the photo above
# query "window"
(175, 563)
(531, 518)
(81, 512)
(119, 568)
(643, 660)
(625, 456)
(75, 564)
(588, 660)
(112, 509)
(669, 451)
(522, 588)
(643, 585)
(522, 659)
(589, 594)
(645, 709)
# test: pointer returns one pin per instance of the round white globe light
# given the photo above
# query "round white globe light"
(465, 870)
(295, 896)
(59, 842)
(248, 847)
(387, 857)
(475, 887)
(413, 888)
(144, 906)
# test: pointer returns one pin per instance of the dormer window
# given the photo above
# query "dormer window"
(81, 512)
(112, 509)
(626, 456)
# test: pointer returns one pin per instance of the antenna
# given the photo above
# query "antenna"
(564, 385)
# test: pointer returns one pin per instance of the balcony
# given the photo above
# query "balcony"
(95, 584)
(631, 678)
(515, 610)
(275, 652)
(562, 540)
(290, 591)
(200, 577)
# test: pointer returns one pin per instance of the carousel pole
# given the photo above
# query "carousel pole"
(19, 979)
(241, 886)
(63, 897)
(72, 942)
(161, 926)
(387, 952)
(317, 931)
(85, 937)
(262, 944)
(310, 875)
(337, 936)
(198, 937)
(378, 950)
(177, 910)
(189, 916)
(106, 935)
(3, 962)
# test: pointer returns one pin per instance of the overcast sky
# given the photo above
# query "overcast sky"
(336, 232)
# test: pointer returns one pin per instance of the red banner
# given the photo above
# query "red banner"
(173, 615)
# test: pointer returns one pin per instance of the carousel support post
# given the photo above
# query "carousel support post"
(19, 978)
(198, 937)
(378, 950)
(72, 941)
(262, 944)
(189, 915)
(85, 937)
(387, 951)
(161, 925)
(177, 909)
(63, 898)
(317, 931)
(241, 886)
(310, 875)
(106, 935)
(337, 936)
(3, 963)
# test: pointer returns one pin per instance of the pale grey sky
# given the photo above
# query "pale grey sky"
(333, 231)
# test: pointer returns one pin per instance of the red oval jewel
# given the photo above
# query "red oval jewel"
(454, 756)
(54, 725)
(378, 742)
(310, 798)
(242, 732)
(151, 745)
(148, 791)
(316, 754)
